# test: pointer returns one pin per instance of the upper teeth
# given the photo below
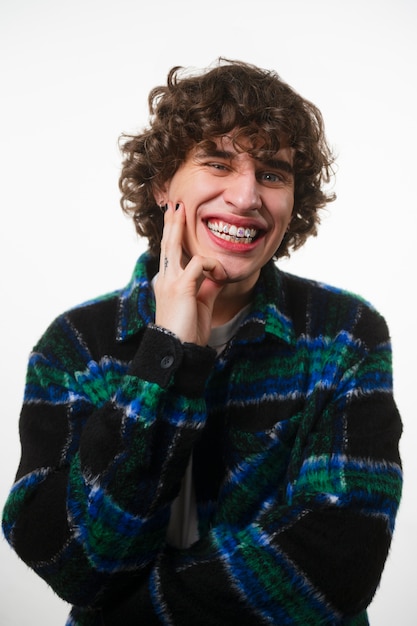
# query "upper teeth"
(230, 230)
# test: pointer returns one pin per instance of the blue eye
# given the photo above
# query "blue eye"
(271, 177)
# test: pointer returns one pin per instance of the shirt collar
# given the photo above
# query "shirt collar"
(136, 307)
(268, 314)
(269, 311)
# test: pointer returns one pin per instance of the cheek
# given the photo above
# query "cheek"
(184, 186)
(283, 211)
(288, 208)
(189, 236)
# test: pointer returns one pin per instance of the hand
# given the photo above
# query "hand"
(186, 290)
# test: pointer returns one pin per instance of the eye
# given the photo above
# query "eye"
(271, 177)
(219, 168)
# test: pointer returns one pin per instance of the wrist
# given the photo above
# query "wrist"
(163, 359)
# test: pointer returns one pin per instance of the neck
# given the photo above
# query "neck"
(229, 302)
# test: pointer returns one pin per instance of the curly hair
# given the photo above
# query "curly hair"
(197, 108)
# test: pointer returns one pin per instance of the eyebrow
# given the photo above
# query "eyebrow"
(276, 164)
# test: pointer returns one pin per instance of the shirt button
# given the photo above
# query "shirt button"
(167, 361)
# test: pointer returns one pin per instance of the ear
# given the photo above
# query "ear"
(160, 194)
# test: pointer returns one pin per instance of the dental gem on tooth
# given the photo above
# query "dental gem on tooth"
(232, 232)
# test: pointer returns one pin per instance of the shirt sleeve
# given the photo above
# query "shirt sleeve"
(104, 448)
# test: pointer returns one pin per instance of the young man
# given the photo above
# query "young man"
(217, 443)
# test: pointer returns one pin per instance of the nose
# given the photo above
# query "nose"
(242, 191)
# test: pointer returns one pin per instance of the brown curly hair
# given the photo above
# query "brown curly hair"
(196, 108)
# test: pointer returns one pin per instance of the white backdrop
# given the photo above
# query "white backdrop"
(76, 74)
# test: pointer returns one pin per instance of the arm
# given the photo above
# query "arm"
(93, 489)
(104, 447)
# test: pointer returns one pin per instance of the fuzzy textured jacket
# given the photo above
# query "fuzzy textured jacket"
(294, 434)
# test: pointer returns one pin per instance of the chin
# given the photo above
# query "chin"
(240, 274)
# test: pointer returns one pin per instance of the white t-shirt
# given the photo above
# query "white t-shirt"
(183, 526)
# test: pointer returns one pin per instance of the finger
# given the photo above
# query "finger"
(201, 268)
(215, 271)
(171, 243)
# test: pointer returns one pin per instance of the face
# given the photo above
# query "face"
(237, 207)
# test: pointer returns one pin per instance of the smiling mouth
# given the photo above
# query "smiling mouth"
(233, 233)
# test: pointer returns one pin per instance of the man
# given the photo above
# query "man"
(218, 442)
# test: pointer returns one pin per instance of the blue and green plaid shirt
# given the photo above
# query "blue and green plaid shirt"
(294, 434)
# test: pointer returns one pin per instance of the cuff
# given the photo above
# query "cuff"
(162, 358)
